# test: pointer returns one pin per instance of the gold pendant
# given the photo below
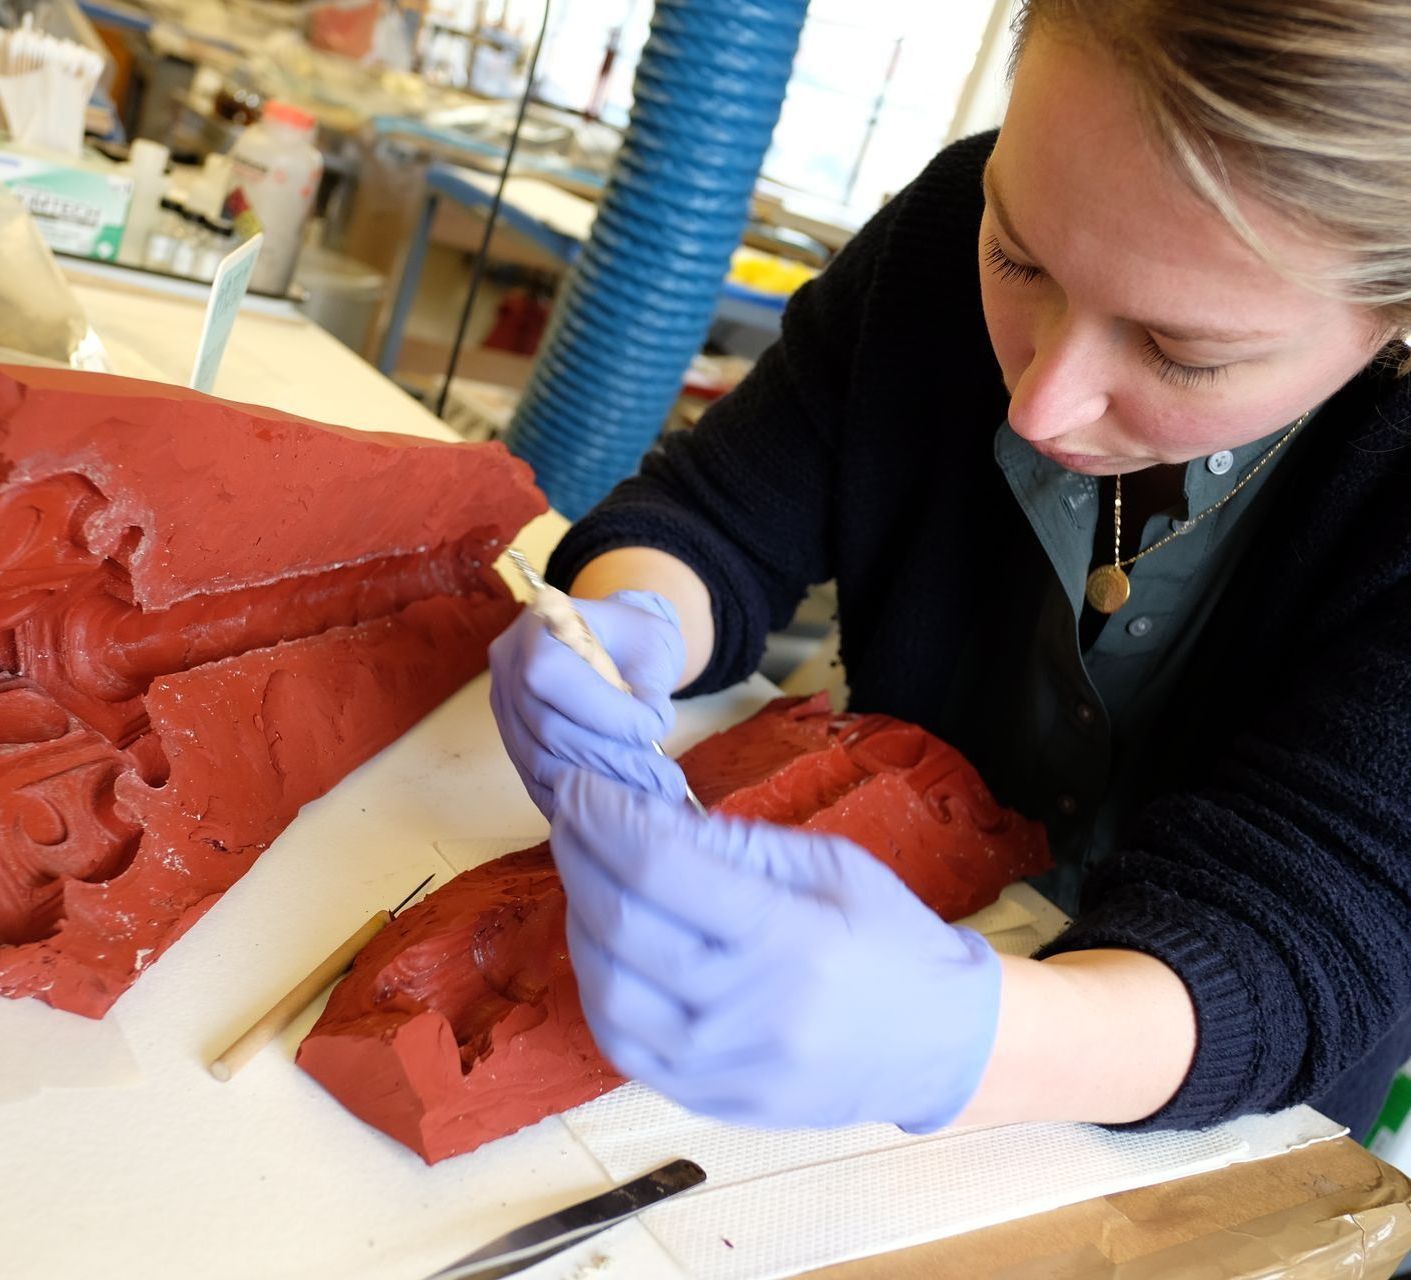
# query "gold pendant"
(1108, 588)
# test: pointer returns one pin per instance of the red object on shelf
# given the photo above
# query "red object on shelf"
(460, 1022)
(345, 29)
(288, 113)
(519, 323)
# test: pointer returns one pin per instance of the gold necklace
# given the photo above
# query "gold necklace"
(1109, 587)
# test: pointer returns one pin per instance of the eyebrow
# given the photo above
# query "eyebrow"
(987, 181)
(1176, 332)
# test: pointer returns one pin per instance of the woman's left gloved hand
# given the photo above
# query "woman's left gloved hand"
(763, 974)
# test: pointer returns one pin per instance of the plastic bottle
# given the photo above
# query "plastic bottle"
(237, 103)
(277, 168)
(210, 186)
(205, 85)
(147, 163)
(161, 244)
(188, 246)
(216, 242)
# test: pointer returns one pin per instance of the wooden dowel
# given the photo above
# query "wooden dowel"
(269, 1026)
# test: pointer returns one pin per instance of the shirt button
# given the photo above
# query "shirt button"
(1219, 463)
(1067, 805)
(1085, 713)
(1139, 627)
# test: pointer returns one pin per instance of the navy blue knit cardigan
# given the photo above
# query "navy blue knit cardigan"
(1277, 880)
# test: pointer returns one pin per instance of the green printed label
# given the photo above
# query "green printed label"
(1393, 1116)
(78, 211)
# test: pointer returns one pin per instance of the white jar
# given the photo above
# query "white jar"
(277, 167)
(147, 164)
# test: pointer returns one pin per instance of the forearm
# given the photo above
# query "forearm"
(646, 569)
(1100, 1036)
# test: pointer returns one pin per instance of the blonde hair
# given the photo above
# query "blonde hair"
(1306, 104)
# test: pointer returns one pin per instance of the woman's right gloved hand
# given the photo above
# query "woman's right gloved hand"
(555, 712)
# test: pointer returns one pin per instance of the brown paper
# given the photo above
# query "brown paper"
(1331, 1210)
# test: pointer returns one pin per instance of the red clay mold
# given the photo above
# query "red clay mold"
(460, 1022)
(209, 613)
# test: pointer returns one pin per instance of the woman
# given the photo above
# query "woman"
(1123, 515)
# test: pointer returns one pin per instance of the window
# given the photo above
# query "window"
(873, 96)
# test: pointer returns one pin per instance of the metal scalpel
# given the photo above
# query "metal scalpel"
(540, 1239)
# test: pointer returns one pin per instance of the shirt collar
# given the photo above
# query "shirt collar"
(1212, 477)
(1061, 505)
(1039, 481)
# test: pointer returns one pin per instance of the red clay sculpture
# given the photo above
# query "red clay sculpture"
(460, 1022)
(209, 613)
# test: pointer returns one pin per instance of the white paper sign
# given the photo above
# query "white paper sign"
(232, 278)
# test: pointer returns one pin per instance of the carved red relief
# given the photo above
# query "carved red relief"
(460, 1022)
(209, 613)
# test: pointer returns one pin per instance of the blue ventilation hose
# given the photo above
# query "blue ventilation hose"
(639, 303)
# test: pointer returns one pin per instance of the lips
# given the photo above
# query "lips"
(208, 615)
(1096, 464)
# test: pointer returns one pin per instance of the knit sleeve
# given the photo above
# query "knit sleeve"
(747, 498)
(1279, 887)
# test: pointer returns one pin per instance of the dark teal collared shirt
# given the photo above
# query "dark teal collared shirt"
(1076, 726)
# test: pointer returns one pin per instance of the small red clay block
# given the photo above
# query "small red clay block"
(461, 1023)
(893, 788)
(744, 756)
(209, 613)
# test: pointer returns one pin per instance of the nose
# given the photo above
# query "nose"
(1063, 388)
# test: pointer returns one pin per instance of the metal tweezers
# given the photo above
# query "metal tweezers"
(544, 1237)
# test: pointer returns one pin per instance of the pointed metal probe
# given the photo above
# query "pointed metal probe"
(395, 910)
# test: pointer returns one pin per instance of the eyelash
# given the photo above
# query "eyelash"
(1005, 267)
(1168, 370)
(1181, 375)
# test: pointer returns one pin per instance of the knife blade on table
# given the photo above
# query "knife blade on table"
(540, 1239)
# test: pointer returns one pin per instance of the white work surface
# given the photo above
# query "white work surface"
(557, 209)
(276, 357)
(122, 1157)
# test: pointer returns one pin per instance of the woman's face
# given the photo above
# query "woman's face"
(1133, 326)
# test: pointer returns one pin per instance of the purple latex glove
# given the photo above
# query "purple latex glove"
(555, 712)
(767, 975)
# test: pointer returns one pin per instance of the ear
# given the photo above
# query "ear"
(1396, 354)
(1392, 347)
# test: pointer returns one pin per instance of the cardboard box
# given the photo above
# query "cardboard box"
(79, 204)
